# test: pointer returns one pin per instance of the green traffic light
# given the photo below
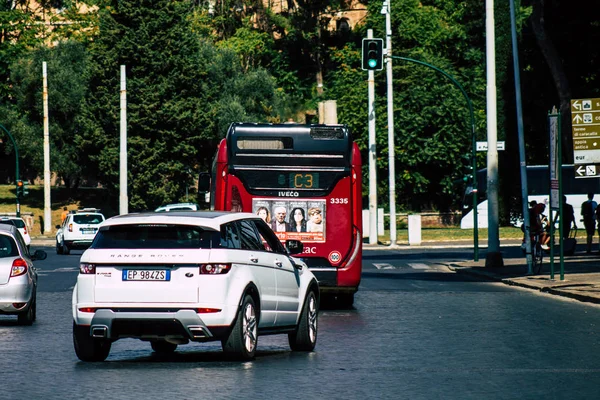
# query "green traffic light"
(372, 63)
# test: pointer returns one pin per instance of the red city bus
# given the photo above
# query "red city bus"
(305, 182)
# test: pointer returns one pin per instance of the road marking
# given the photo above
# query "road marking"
(384, 266)
(64, 269)
(418, 266)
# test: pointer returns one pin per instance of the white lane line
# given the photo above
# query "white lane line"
(418, 266)
(384, 266)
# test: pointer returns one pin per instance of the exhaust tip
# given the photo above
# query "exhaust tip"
(198, 332)
(100, 332)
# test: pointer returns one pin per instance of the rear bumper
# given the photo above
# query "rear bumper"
(181, 325)
(14, 292)
(81, 244)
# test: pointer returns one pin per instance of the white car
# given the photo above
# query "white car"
(78, 230)
(192, 276)
(18, 276)
(22, 227)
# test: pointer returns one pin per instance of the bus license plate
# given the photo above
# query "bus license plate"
(146, 275)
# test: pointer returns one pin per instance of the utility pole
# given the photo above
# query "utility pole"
(523, 162)
(386, 10)
(123, 199)
(47, 201)
(493, 257)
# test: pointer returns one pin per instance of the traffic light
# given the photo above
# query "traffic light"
(19, 188)
(468, 168)
(25, 188)
(372, 54)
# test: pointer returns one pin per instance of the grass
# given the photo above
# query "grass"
(33, 203)
(457, 234)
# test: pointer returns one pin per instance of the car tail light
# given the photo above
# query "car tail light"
(87, 309)
(208, 310)
(85, 268)
(19, 305)
(25, 229)
(19, 267)
(70, 227)
(214, 269)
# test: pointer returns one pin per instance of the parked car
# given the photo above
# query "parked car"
(22, 227)
(78, 230)
(178, 207)
(186, 276)
(18, 276)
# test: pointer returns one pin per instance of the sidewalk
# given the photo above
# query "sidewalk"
(581, 273)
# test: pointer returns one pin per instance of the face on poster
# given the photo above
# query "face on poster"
(293, 219)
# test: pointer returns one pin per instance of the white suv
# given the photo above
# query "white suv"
(78, 230)
(171, 278)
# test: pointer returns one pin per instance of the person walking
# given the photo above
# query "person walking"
(588, 212)
(568, 218)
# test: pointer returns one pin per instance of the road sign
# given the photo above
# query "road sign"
(585, 119)
(587, 170)
(483, 146)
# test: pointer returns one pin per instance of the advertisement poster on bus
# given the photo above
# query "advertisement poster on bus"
(302, 220)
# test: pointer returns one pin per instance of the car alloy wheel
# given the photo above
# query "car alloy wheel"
(242, 340)
(305, 336)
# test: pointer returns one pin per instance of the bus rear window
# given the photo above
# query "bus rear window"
(264, 143)
(156, 236)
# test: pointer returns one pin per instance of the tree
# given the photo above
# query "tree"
(67, 87)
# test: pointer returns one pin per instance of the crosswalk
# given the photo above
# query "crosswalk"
(412, 265)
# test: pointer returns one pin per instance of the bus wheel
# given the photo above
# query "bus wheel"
(345, 300)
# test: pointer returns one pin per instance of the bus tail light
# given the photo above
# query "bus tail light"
(19, 267)
(214, 269)
(87, 269)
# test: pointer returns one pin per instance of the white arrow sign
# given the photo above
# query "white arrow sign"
(577, 119)
(581, 170)
(576, 105)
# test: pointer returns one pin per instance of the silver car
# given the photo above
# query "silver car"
(18, 276)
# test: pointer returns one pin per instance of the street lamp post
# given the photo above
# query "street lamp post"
(386, 10)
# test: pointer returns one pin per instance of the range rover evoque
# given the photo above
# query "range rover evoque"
(192, 276)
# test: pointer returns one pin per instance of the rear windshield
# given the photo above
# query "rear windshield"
(19, 223)
(87, 218)
(156, 236)
(8, 247)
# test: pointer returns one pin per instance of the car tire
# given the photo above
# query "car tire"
(28, 316)
(163, 347)
(88, 348)
(65, 249)
(243, 338)
(59, 248)
(305, 336)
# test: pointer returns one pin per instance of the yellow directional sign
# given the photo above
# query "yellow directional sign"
(585, 119)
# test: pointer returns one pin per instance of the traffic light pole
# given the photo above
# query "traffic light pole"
(16, 167)
(473, 149)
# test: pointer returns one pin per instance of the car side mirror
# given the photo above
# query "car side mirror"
(294, 246)
(57, 226)
(39, 255)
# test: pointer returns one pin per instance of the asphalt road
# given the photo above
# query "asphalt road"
(417, 331)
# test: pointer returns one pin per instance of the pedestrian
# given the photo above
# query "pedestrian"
(588, 212)
(568, 218)
(64, 214)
